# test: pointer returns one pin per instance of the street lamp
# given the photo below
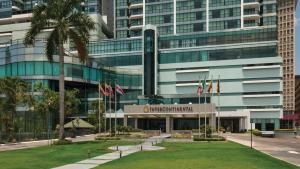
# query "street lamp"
(251, 122)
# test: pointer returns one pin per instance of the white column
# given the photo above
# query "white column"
(144, 12)
(125, 120)
(168, 126)
(174, 18)
(136, 123)
(207, 15)
(242, 14)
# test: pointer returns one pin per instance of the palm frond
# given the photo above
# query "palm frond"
(38, 23)
(82, 22)
(51, 44)
(79, 44)
(69, 6)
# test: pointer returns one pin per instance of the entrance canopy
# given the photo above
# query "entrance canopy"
(180, 110)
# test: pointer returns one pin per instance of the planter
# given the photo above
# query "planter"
(285, 133)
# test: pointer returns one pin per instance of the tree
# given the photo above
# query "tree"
(14, 91)
(44, 102)
(48, 101)
(93, 117)
(66, 22)
(72, 102)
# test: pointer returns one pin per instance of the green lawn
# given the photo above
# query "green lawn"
(214, 155)
(48, 157)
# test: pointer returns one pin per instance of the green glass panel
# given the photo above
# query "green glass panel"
(55, 68)
(38, 68)
(2, 71)
(14, 71)
(48, 68)
(29, 68)
(21, 69)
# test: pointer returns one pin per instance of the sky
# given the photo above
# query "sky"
(298, 39)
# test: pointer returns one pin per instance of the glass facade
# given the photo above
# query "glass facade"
(230, 37)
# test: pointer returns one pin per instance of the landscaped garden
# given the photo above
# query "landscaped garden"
(199, 155)
(56, 155)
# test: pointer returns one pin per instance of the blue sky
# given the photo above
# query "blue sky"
(298, 39)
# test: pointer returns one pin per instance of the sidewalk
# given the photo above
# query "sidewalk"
(286, 149)
(120, 152)
(40, 143)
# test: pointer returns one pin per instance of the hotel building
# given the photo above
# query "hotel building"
(162, 49)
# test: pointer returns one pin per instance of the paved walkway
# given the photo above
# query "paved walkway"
(31, 144)
(287, 149)
(148, 145)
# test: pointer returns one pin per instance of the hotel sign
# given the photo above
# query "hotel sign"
(166, 109)
(169, 109)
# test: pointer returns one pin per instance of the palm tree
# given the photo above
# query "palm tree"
(66, 22)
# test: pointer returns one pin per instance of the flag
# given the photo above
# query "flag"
(119, 90)
(203, 84)
(109, 90)
(200, 89)
(218, 87)
(210, 87)
(101, 90)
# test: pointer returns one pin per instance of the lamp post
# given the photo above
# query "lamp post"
(251, 133)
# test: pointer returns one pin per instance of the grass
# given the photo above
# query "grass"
(199, 155)
(48, 157)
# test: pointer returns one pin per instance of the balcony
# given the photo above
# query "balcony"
(251, 4)
(133, 6)
(251, 14)
(140, 16)
(252, 17)
(136, 27)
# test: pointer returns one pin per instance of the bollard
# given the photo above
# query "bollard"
(89, 153)
(120, 154)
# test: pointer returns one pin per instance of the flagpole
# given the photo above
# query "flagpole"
(219, 105)
(105, 106)
(99, 107)
(211, 103)
(110, 109)
(115, 108)
(199, 118)
(204, 108)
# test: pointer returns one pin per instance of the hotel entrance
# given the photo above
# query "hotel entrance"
(152, 124)
(230, 124)
(167, 118)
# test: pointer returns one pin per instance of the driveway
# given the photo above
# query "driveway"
(31, 144)
(287, 149)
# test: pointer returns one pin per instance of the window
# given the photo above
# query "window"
(167, 19)
(216, 13)
(198, 27)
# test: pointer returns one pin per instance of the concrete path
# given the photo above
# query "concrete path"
(32, 144)
(287, 149)
(120, 152)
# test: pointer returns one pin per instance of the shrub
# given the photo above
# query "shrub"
(215, 138)
(107, 138)
(256, 132)
(62, 142)
(202, 130)
(287, 130)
